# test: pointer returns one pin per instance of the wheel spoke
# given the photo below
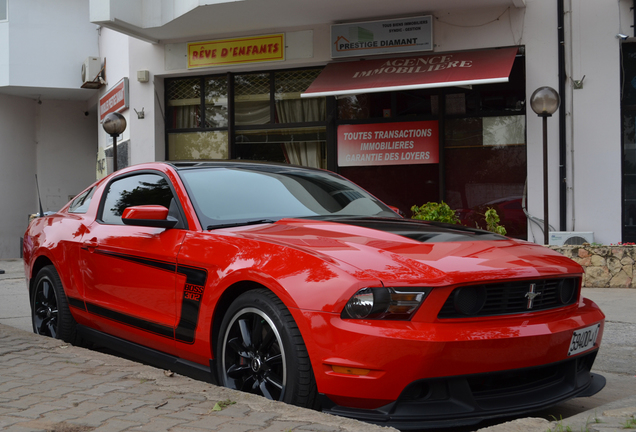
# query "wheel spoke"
(237, 371)
(265, 391)
(244, 327)
(237, 346)
(257, 331)
(274, 361)
(268, 340)
(47, 292)
(40, 324)
(275, 381)
(51, 326)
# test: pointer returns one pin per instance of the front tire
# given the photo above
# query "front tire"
(50, 314)
(261, 351)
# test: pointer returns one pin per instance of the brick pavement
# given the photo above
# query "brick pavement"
(48, 385)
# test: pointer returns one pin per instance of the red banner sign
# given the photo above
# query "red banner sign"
(405, 143)
(115, 100)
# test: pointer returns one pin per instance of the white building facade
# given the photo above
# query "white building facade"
(483, 146)
(48, 123)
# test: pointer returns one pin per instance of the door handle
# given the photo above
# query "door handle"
(90, 245)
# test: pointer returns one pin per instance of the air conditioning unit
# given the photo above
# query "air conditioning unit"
(91, 68)
(561, 238)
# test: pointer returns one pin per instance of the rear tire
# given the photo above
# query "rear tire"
(50, 314)
(261, 351)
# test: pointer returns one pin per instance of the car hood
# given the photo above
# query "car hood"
(413, 252)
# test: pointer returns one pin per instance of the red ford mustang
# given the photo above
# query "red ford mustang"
(297, 285)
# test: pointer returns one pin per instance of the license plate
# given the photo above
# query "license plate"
(583, 339)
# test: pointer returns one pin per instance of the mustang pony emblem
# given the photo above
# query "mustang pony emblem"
(531, 295)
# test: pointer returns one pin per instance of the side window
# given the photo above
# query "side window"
(141, 189)
(81, 202)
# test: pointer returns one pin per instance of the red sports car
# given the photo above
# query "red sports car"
(297, 285)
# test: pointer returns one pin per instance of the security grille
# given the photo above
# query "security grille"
(294, 81)
(184, 89)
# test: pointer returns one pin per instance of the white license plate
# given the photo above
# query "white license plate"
(583, 339)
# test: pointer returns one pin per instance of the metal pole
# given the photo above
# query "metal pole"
(546, 224)
(114, 152)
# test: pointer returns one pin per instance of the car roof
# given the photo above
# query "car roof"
(257, 165)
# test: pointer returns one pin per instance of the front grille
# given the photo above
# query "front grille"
(510, 297)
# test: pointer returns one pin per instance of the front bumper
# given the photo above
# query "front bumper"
(469, 399)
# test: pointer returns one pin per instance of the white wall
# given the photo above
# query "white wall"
(4, 53)
(49, 42)
(595, 142)
(17, 171)
(113, 47)
(66, 150)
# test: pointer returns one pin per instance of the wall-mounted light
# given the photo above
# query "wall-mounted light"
(621, 36)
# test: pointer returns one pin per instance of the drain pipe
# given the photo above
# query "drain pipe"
(563, 187)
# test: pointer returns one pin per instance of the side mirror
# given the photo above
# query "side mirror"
(149, 216)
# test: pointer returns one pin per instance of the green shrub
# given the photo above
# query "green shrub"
(434, 211)
(492, 222)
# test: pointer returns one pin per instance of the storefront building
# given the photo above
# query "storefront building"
(415, 101)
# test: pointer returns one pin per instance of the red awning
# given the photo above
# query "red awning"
(414, 72)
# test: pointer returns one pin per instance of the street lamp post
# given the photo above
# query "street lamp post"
(545, 101)
(114, 125)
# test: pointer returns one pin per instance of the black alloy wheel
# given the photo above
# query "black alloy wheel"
(261, 351)
(49, 308)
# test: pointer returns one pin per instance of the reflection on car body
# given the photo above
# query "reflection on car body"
(297, 285)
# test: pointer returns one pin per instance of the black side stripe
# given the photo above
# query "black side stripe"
(139, 323)
(76, 303)
(190, 305)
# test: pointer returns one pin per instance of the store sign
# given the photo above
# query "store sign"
(382, 37)
(234, 51)
(115, 100)
(404, 143)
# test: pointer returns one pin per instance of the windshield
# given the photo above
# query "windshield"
(236, 194)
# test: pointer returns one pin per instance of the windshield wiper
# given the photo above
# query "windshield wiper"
(237, 224)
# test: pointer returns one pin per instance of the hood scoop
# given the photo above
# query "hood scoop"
(424, 232)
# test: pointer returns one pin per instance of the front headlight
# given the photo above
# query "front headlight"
(385, 303)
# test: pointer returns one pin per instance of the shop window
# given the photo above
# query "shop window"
(271, 121)
(401, 186)
(216, 102)
(486, 168)
(628, 108)
(184, 103)
(416, 103)
(302, 144)
(299, 146)
(252, 99)
(365, 106)
(197, 145)
(4, 10)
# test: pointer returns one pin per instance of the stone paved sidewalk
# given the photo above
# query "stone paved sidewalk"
(47, 385)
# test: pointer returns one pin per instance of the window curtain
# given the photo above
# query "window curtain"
(186, 117)
(299, 111)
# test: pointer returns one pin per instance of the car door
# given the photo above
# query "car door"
(130, 271)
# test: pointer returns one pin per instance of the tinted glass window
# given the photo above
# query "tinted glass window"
(142, 189)
(222, 195)
(81, 202)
